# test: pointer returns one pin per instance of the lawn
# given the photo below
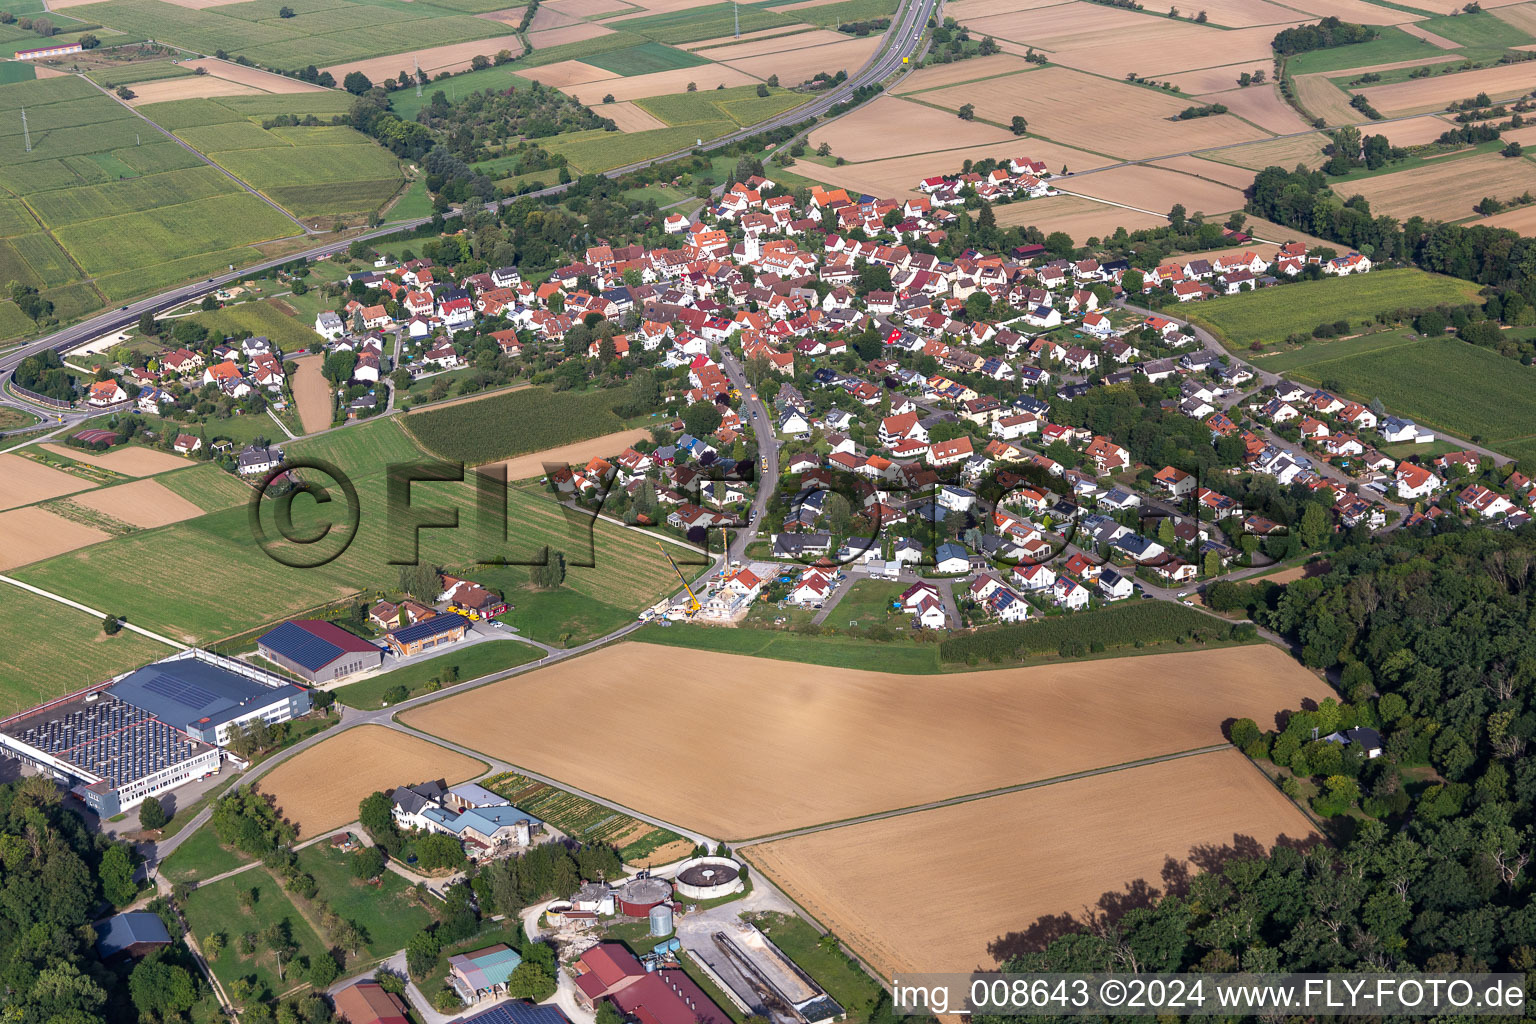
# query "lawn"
(645, 58)
(202, 856)
(1441, 382)
(472, 662)
(216, 910)
(387, 913)
(33, 632)
(1273, 314)
(708, 22)
(867, 603)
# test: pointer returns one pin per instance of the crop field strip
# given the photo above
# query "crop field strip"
(578, 817)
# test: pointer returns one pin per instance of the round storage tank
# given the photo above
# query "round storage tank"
(661, 921)
(637, 896)
(708, 878)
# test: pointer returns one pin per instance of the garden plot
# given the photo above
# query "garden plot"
(892, 127)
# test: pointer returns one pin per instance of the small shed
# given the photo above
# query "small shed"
(133, 934)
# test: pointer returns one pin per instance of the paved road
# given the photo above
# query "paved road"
(902, 40)
(759, 415)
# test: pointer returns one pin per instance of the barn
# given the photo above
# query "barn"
(318, 651)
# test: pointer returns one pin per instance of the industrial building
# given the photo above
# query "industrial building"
(147, 731)
(427, 634)
(319, 651)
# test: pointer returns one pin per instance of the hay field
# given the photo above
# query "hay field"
(451, 58)
(130, 461)
(1426, 94)
(1287, 153)
(524, 467)
(890, 127)
(144, 503)
(1522, 220)
(354, 764)
(957, 888)
(1444, 189)
(27, 481)
(1081, 218)
(566, 73)
(1156, 189)
(796, 66)
(1321, 98)
(33, 534)
(741, 746)
(629, 117)
(1131, 121)
(1412, 132)
(312, 393)
(1226, 174)
(973, 70)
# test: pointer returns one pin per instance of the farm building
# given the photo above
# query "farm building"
(609, 971)
(206, 696)
(62, 50)
(471, 600)
(132, 934)
(318, 651)
(368, 1003)
(483, 973)
(427, 634)
(515, 1012)
(485, 823)
(762, 980)
(637, 896)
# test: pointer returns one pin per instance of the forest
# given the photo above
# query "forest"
(1427, 867)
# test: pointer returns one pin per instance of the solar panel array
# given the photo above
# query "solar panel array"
(188, 694)
(111, 739)
(302, 646)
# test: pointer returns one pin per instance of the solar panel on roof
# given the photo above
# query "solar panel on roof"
(181, 691)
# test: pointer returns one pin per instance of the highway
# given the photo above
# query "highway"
(902, 40)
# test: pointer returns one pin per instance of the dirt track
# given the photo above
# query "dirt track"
(937, 890)
(739, 747)
(321, 788)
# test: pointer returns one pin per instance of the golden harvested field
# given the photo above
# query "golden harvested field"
(27, 481)
(968, 11)
(320, 788)
(1264, 106)
(32, 534)
(1131, 120)
(187, 88)
(1114, 42)
(1287, 153)
(1445, 189)
(1217, 79)
(791, 745)
(130, 461)
(1358, 11)
(1522, 220)
(900, 176)
(1412, 132)
(254, 77)
(661, 7)
(1525, 136)
(567, 73)
(569, 34)
(1155, 189)
(145, 503)
(543, 18)
(890, 127)
(589, 8)
(973, 70)
(312, 393)
(657, 83)
(1234, 13)
(1321, 98)
(959, 887)
(524, 467)
(1279, 234)
(1426, 94)
(1081, 218)
(1520, 15)
(1430, 37)
(796, 66)
(629, 117)
(453, 57)
(1237, 177)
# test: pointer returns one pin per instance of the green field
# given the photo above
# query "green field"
(229, 559)
(16, 71)
(33, 630)
(472, 662)
(207, 486)
(95, 202)
(708, 22)
(200, 857)
(1319, 351)
(1393, 45)
(832, 15)
(516, 422)
(388, 913)
(406, 104)
(580, 50)
(741, 105)
(645, 58)
(114, 244)
(594, 151)
(329, 34)
(246, 319)
(141, 71)
(1273, 314)
(901, 656)
(1480, 29)
(216, 910)
(1441, 382)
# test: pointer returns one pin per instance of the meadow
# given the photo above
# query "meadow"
(1440, 382)
(645, 58)
(261, 318)
(1392, 45)
(740, 105)
(1273, 314)
(387, 913)
(216, 910)
(514, 422)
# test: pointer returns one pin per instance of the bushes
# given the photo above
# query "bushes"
(1124, 625)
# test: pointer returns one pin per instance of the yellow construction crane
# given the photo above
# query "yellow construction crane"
(692, 598)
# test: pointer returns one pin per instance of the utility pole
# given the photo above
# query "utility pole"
(26, 134)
